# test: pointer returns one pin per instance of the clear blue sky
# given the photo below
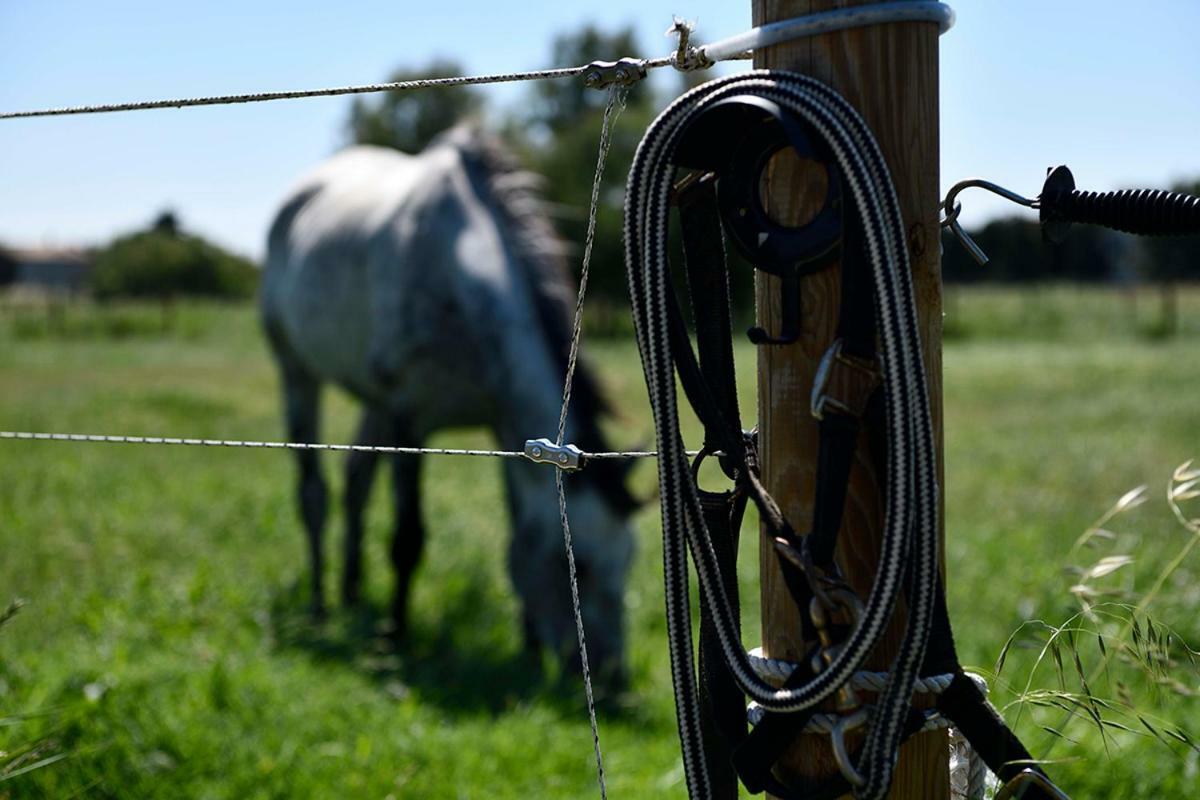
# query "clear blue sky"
(1111, 88)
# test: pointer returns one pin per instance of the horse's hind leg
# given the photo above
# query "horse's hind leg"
(360, 474)
(302, 402)
(408, 539)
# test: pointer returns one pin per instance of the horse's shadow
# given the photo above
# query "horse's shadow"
(439, 662)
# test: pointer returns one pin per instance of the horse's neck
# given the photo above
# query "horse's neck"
(530, 404)
(502, 297)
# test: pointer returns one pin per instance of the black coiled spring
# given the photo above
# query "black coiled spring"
(1146, 212)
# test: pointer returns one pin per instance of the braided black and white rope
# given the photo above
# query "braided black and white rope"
(909, 550)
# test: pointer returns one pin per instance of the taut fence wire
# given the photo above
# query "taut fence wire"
(96, 438)
(685, 58)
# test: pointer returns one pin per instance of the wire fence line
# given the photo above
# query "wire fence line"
(333, 91)
(686, 58)
(96, 438)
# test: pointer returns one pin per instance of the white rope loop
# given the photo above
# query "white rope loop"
(839, 19)
(827, 723)
(778, 670)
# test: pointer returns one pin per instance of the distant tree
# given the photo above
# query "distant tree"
(559, 130)
(167, 223)
(408, 120)
(163, 262)
(1017, 253)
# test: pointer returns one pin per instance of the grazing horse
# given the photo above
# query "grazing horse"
(433, 289)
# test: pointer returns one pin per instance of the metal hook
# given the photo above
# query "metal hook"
(952, 209)
(789, 325)
(837, 739)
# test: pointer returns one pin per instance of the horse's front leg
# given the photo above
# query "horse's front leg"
(408, 539)
(373, 430)
(302, 405)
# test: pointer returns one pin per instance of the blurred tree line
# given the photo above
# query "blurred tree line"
(555, 129)
(163, 262)
(1089, 254)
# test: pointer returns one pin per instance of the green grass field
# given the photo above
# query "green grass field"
(164, 651)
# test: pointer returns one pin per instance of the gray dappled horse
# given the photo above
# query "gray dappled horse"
(434, 290)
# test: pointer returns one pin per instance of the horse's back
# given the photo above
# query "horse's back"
(314, 282)
(358, 259)
(345, 199)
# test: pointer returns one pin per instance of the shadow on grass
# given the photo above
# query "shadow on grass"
(455, 661)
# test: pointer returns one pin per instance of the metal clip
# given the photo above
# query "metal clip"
(624, 72)
(819, 610)
(544, 451)
(1028, 779)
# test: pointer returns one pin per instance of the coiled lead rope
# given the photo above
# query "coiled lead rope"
(909, 549)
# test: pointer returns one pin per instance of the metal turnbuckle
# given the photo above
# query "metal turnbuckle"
(564, 456)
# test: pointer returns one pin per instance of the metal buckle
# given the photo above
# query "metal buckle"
(1025, 780)
(544, 451)
(862, 380)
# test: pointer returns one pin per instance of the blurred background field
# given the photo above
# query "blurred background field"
(164, 650)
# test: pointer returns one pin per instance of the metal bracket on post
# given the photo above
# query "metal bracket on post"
(564, 456)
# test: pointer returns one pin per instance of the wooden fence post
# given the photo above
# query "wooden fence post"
(890, 74)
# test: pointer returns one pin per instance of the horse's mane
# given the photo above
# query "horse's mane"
(514, 194)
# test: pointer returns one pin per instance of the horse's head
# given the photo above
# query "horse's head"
(599, 507)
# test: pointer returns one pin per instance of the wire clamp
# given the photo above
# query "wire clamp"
(622, 72)
(564, 456)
